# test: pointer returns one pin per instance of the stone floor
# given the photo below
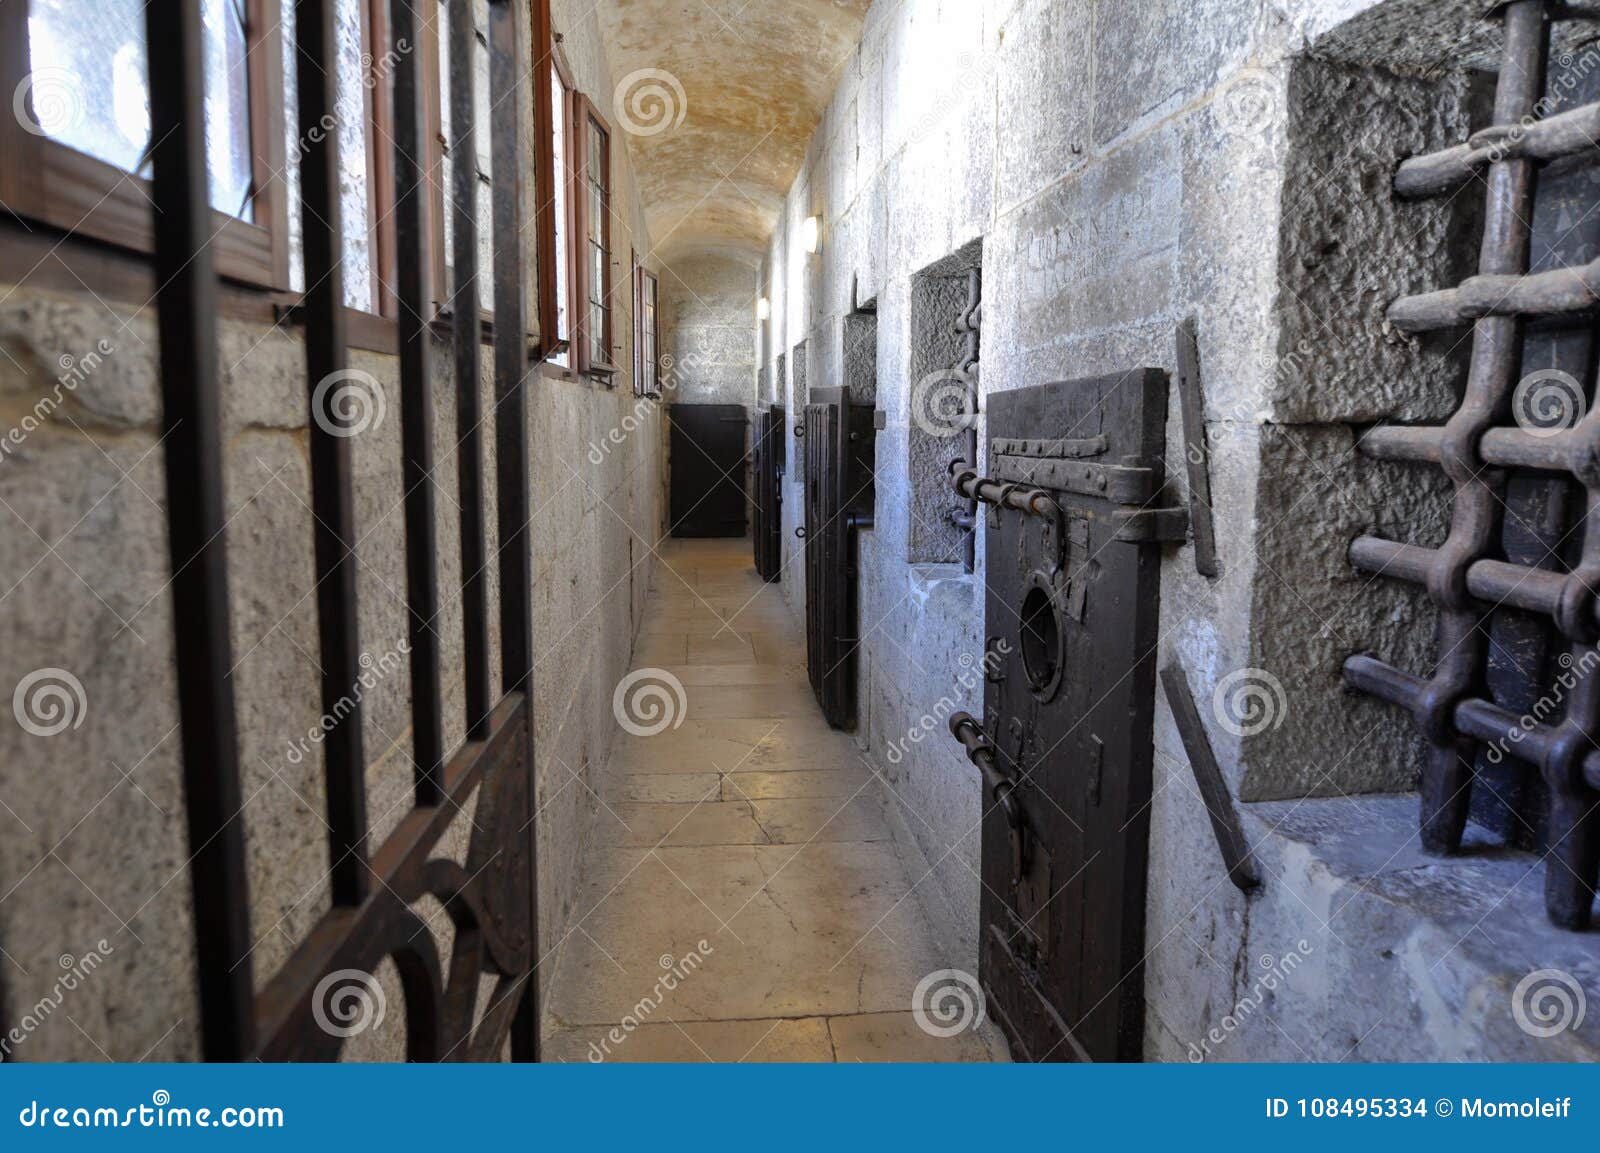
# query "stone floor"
(744, 900)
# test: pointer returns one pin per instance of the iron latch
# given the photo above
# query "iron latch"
(981, 752)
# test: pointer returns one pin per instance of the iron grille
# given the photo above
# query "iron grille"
(493, 901)
(1489, 571)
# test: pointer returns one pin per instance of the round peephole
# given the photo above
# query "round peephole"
(1041, 640)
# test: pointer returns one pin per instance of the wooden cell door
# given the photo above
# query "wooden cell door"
(708, 463)
(1071, 619)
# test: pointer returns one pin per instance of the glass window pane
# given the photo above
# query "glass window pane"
(87, 87)
(350, 110)
(481, 132)
(558, 104)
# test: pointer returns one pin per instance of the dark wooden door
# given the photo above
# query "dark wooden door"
(767, 456)
(1071, 625)
(839, 452)
(708, 461)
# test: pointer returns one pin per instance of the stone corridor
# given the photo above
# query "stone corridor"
(744, 846)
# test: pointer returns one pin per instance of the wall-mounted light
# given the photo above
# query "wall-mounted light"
(763, 308)
(811, 234)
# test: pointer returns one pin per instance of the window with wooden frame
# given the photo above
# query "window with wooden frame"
(591, 235)
(443, 234)
(76, 157)
(646, 357)
(552, 109)
(364, 114)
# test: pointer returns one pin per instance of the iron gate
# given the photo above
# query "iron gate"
(1515, 580)
(1066, 745)
(493, 901)
(840, 440)
(768, 456)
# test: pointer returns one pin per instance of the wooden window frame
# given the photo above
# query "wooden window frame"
(550, 65)
(379, 138)
(54, 184)
(583, 111)
(646, 283)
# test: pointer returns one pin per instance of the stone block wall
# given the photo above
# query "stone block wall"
(92, 835)
(1125, 166)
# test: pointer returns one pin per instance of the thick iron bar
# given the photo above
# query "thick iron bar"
(969, 326)
(982, 753)
(1535, 743)
(1558, 292)
(1492, 582)
(1565, 134)
(466, 332)
(965, 480)
(416, 397)
(332, 424)
(186, 309)
(513, 469)
(1475, 517)
(1450, 708)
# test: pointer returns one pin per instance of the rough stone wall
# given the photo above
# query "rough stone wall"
(707, 302)
(92, 835)
(933, 434)
(1127, 166)
(861, 357)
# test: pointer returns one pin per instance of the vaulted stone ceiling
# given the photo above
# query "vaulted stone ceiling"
(717, 100)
